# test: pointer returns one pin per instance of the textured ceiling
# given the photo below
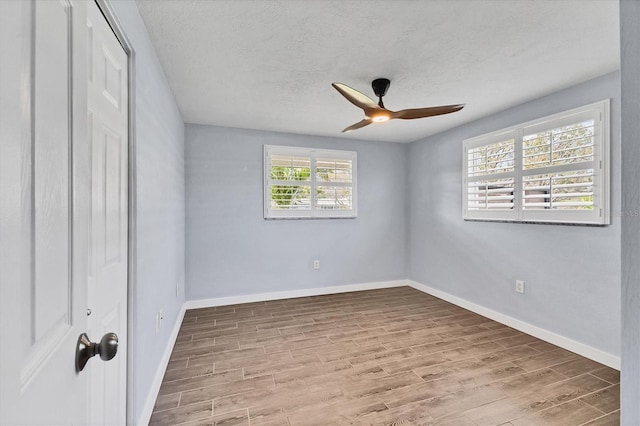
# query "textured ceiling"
(269, 65)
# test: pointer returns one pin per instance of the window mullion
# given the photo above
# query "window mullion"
(465, 179)
(267, 178)
(517, 177)
(312, 178)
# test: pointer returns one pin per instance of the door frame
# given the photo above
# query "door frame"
(116, 27)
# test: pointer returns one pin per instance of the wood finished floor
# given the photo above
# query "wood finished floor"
(382, 357)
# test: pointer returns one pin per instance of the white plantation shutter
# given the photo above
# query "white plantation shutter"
(557, 171)
(489, 180)
(563, 168)
(309, 183)
(290, 183)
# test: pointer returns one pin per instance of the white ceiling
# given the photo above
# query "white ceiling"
(269, 64)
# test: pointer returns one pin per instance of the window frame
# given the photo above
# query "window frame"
(599, 112)
(313, 154)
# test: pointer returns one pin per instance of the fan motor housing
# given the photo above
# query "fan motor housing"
(380, 86)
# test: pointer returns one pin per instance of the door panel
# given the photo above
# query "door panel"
(50, 148)
(108, 115)
(44, 210)
(113, 197)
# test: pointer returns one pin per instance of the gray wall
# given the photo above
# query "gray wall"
(159, 138)
(630, 83)
(572, 273)
(231, 250)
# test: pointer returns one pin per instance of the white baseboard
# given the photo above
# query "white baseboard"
(277, 295)
(147, 409)
(587, 351)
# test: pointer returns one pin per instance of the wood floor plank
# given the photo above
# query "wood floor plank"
(200, 381)
(200, 348)
(534, 379)
(612, 419)
(238, 418)
(269, 402)
(342, 413)
(471, 350)
(301, 343)
(254, 360)
(576, 366)
(572, 413)
(501, 411)
(521, 339)
(609, 374)
(278, 366)
(461, 401)
(268, 416)
(382, 357)
(357, 352)
(413, 363)
(207, 332)
(209, 393)
(375, 385)
(512, 354)
(409, 414)
(307, 372)
(337, 348)
(188, 372)
(578, 386)
(606, 400)
(547, 359)
(344, 378)
(414, 393)
(165, 402)
(487, 374)
(179, 415)
(440, 345)
(543, 346)
(324, 330)
(493, 335)
(225, 356)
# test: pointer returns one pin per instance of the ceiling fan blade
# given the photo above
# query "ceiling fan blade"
(358, 125)
(409, 114)
(358, 99)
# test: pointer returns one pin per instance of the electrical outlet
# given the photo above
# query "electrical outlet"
(159, 318)
(520, 286)
(316, 264)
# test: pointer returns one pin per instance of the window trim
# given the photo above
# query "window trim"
(600, 113)
(313, 154)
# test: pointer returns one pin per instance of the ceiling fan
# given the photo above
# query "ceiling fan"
(377, 113)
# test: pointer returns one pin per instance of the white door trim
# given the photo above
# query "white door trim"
(115, 25)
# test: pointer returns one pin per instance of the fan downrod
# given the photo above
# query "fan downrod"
(380, 87)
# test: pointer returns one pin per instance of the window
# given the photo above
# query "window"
(555, 169)
(309, 183)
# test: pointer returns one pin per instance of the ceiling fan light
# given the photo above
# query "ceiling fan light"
(381, 118)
